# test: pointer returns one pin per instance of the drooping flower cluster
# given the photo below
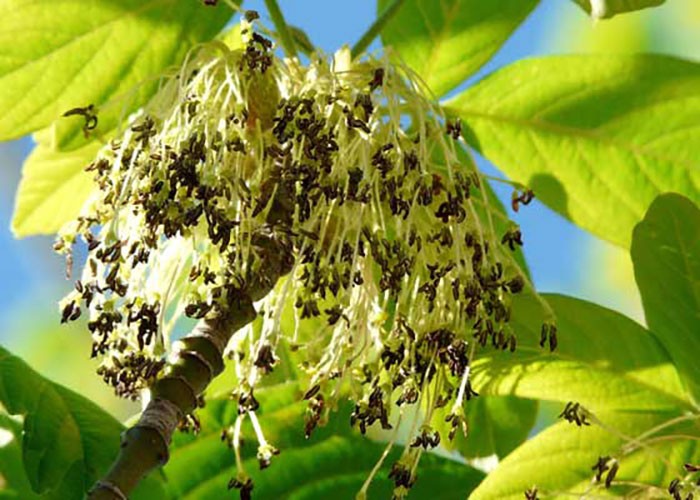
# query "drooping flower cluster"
(396, 260)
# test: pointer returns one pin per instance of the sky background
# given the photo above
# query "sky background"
(562, 258)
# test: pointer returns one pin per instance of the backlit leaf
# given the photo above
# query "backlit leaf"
(596, 137)
(666, 256)
(446, 41)
(63, 54)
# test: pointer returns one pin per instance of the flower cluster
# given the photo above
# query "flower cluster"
(396, 260)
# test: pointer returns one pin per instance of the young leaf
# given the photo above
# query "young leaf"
(60, 55)
(446, 41)
(603, 360)
(597, 138)
(53, 188)
(666, 257)
(558, 461)
(335, 461)
(68, 442)
(603, 9)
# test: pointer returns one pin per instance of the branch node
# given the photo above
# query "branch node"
(162, 416)
(106, 485)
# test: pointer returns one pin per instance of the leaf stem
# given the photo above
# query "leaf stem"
(375, 28)
(282, 29)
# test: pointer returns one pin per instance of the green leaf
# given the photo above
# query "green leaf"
(497, 425)
(666, 257)
(68, 442)
(447, 41)
(603, 361)
(53, 188)
(558, 461)
(603, 9)
(334, 462)
(596, 137)
(13, 479)
(59, 55)
(302, 40)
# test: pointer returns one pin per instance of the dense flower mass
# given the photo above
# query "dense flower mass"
(396, 263)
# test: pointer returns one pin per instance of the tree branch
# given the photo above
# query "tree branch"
(145, 445)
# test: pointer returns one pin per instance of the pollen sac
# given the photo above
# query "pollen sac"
(395, 262)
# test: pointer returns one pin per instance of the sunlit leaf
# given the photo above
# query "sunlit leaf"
(602, 9)
(446, 41)
(603, 360)
(53, 188)
(558, 461)
(596, 137)
(666, 256)
(62, 54)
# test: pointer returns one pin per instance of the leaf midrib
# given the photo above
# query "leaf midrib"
(575, 132)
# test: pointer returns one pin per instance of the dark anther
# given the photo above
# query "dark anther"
(674, 489)
(264, 459)
(457, 422)
(575, 413)
(516, 284)
(377, 79)
(402, 476)
(513, 238)
(426, 440)
(335, 313)
(611, 474)
(531, 494)
(265, 359)
(549, 331)
(251, 15)
(247, 403)
(313, 414)
(312, 392)
(70, 313)
(454, 129)
(517, 198)
(90, 115)
(600, 467)
(245, 488)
